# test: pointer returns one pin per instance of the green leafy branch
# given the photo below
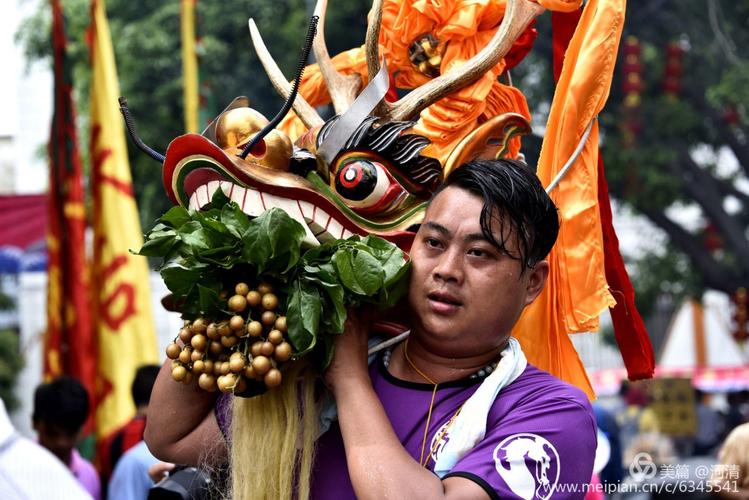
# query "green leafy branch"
(204, 252)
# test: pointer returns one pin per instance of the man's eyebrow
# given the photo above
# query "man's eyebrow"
(437, 227)
(475, 237)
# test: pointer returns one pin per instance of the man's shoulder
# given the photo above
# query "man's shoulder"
(537, 389)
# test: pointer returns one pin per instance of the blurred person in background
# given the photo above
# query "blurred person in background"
(709, 425)
(113, 448)
(736, 414)
(134, 474)
(60, 409)
(731, 478)
(635, 417)
(613, 472)
(29, 471)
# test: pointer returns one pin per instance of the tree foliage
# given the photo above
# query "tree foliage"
(146, 38)
(690, 150)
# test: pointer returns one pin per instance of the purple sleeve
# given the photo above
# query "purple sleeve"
(543, 451)
(223, 414)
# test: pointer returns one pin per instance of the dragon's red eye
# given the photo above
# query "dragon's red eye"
(362, 182)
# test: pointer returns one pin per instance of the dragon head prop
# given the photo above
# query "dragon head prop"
(364, 171)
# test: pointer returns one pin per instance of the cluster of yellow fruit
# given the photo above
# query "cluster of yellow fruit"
(224, 354)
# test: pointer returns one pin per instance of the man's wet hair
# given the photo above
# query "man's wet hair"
(62, 403)
(145, 378)
(513, 195)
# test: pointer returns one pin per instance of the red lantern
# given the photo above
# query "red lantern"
(632, 86)
(673, 70)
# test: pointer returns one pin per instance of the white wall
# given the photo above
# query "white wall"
(25, 106)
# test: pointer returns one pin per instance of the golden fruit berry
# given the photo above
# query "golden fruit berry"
(254, 329)
(268, 318)
(199, 325)
(172, 351)
(269, 302)
(261, 364)
(283, 352)
(242, 289)
(275, 336)
(237, 303)
(236, 323)
(272, 378)
(254, 298)
(280, 324)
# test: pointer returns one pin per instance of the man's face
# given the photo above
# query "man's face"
(465, 294)
(59, 441)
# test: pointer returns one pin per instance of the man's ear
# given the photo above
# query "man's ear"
(536, 280)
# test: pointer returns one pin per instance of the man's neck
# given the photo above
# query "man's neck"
(426, 366)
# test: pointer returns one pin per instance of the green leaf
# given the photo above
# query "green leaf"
(219, 199)
(158, 246)
(175, 217)
(358, 270)
(209, 300)
(303, 316)
(193, 235)
(180, 278)
(396, 287)
(272, 241)
(234, 219)
(390, 256)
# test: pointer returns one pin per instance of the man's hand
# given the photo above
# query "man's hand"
(350, 357)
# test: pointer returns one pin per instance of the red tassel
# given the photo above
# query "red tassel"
(629, 329)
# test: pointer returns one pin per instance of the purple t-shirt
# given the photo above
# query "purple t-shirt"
(86, 474)
(540, 436)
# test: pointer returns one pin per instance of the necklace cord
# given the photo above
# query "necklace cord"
(422, 462)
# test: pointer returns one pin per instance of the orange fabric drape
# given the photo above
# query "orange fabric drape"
(577, 292)
(468, 25)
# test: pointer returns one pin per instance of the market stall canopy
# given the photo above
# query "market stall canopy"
(23, 226)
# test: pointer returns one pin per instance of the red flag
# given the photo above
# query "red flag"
(68, 342)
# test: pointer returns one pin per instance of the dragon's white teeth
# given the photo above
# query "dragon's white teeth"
(193, 204)
(335, 229)
(306, 209)
(318, 221)
(202, 196)
(253, 203)
(237, 195)
(318, 224)
(212, 187)
(227, 188)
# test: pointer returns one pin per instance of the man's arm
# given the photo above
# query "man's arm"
(181, 426)
(379, 466)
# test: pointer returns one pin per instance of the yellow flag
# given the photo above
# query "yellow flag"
(189, 66)
(121, 293)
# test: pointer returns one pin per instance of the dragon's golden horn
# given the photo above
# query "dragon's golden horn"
(518, 15)
(306, 113)
(343, 89)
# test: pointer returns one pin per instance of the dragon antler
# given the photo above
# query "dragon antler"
(306, 113)
(343, 89)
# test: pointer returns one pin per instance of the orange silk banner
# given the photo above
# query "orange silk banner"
(122, 297)
(577, 291)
